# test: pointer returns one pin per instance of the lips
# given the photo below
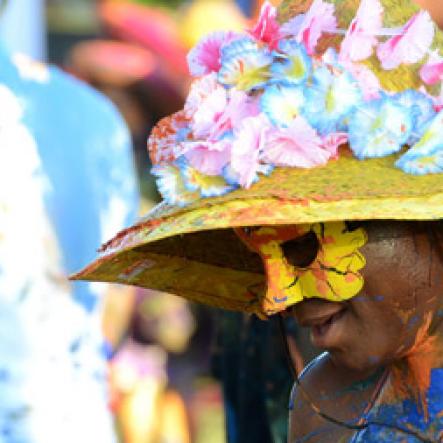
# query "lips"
(325, 320)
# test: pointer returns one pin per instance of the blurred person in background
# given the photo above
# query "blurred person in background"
(147, 407)
(138, 69)
(66, 181)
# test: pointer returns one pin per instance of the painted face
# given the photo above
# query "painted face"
(400, 300)
(321, 260)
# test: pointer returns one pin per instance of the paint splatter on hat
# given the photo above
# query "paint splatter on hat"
(324, 111)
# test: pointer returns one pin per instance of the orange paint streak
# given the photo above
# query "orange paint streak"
(256, 240)
(162, 138)
(420, 360)
(119, 238)
(328, 240)
(241, 66)
(349, 278)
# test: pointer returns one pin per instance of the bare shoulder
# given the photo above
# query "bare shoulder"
(323, 387)
(302, 417)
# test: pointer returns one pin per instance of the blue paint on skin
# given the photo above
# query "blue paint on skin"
(280, 300)
(359, 298)
(412, 417)
(318, 432)
(413, 320)
(363, 297)
(374, 360)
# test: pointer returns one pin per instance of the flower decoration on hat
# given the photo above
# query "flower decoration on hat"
(307, 28)
(426, 157)
(269, 98)
(330, 273)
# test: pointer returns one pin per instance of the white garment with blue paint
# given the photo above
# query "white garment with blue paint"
(66, 184)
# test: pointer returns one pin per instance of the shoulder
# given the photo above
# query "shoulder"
(75, 105)
(335, 392)
(85, 105)
(76, 113)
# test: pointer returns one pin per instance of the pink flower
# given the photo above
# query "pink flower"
(367, 80)
(240, 106)
(208, 157)
(267, 29)
(432, 72)
(360, 38)
(200, 90)
(204, 58)
(309, 27)
(411, 46)
(220, 112)
(331, 142)
(208, 113)
(299, 145)
(249, 142)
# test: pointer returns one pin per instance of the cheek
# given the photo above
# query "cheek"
(393, 275)
(397, 295)
(378, 332)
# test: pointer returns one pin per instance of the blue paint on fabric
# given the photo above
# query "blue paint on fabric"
(407, 414)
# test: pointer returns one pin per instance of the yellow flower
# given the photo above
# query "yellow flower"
(331, 275)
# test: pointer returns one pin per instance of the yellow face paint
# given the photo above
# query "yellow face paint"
(332, 275)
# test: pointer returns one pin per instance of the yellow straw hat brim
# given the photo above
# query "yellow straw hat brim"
(194, 253)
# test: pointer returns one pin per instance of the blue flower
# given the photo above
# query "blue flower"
(232, 178)
(426, 156)
(379, 128)
(237, 47)
(266, 170)
(421, 108)
(182, 134)
(205, 185)
(282, 103)
(414, 163)
(292, 65)
(330, 98)
(171, 185)
(244, 65)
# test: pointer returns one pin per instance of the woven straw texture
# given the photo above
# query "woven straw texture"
(193, 251)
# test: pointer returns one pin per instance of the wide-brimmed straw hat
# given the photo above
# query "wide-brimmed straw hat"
(331, 113)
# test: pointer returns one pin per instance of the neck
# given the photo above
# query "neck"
(411, 376)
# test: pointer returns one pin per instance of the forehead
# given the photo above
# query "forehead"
(376, 228)
(407, 235)
(385, 229)
(377, 231)
(391, 229)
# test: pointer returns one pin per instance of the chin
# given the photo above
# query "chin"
(355, 361)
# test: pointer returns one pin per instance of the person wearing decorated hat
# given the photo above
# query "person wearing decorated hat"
(304, 175)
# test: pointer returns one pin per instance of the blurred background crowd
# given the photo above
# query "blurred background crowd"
(92, 362)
